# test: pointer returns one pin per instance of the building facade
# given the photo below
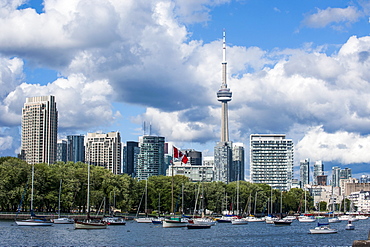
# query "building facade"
(62, 150)
(304, 172)
(337, 174)
(223, 158)
(318, 170)
(130, 156)
(39, 130)
(76, 148)
(196, 173)
(237, 168)
(104, 150)
(151, 157)
(271, 157)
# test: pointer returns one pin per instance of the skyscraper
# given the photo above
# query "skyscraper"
(271, 157)
(39, 130)
(151, 157)
(304, 172)
(130, 155)
(237, 170)
(223, 149)
(76, 148)
(62, 150)
(104, 150)
(318, 170)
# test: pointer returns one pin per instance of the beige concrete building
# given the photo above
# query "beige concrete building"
(39, 130)
(104, 150)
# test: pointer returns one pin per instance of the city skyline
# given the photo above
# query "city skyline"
(299, 69)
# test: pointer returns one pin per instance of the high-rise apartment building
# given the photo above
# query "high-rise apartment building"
(318, 170)
(62, 150)
(130, 156)
(223, 158)
(304, 172)
(104, 150)
(76, 148)
(151, 157)
(271, 157)
(39, 130)
(337, 174)
(237, 169)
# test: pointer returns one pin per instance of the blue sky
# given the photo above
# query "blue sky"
(294, 67)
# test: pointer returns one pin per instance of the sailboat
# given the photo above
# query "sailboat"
(238, 221)
(174, 221)
(62, 220)
(144, 219)
(34, 220)
(305, 218)
(89, 223)
(282, 221)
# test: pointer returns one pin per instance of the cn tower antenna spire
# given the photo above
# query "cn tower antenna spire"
(224, 95)
(224, 63)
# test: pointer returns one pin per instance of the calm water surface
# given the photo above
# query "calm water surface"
(225, 234)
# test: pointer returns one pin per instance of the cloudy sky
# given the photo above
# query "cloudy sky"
(301, 68)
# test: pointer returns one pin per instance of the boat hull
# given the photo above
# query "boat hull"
(174, 223)
(32, 222)
(63, 221)
(313, 231)
(144, 220)
(239, 222)
(198, 226)
(282, 222)
(90, 225)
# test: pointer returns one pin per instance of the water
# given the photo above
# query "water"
(225, 234)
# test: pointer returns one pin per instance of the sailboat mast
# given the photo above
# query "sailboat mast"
(281, 203)
(33, 177)
(88, 190)
(182, 199)
(60, 191)
(237, 197)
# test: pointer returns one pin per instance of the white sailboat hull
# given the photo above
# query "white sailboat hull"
(174, 223)
(33, 222)
(144, 220)
(64, 221)
(239, 222)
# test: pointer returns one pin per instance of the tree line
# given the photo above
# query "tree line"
(128, 195)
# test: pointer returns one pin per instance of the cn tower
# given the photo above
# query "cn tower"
(224, 96)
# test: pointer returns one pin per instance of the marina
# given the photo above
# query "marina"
(135, 234)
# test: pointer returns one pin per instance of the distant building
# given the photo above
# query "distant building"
(196, 173)
(130, 157)
(76, 148)
(304, 172)
(39, 130)
(151, 157)
(237, 169)
(364, 179)
(62, 150)
(361, 201)
(322, 180)
(318, 170)
(195, 157)
(104, 150)
(338, 174)
(271, 157)
(223, 158)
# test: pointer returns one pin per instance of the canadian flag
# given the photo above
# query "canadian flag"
(177, 154)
